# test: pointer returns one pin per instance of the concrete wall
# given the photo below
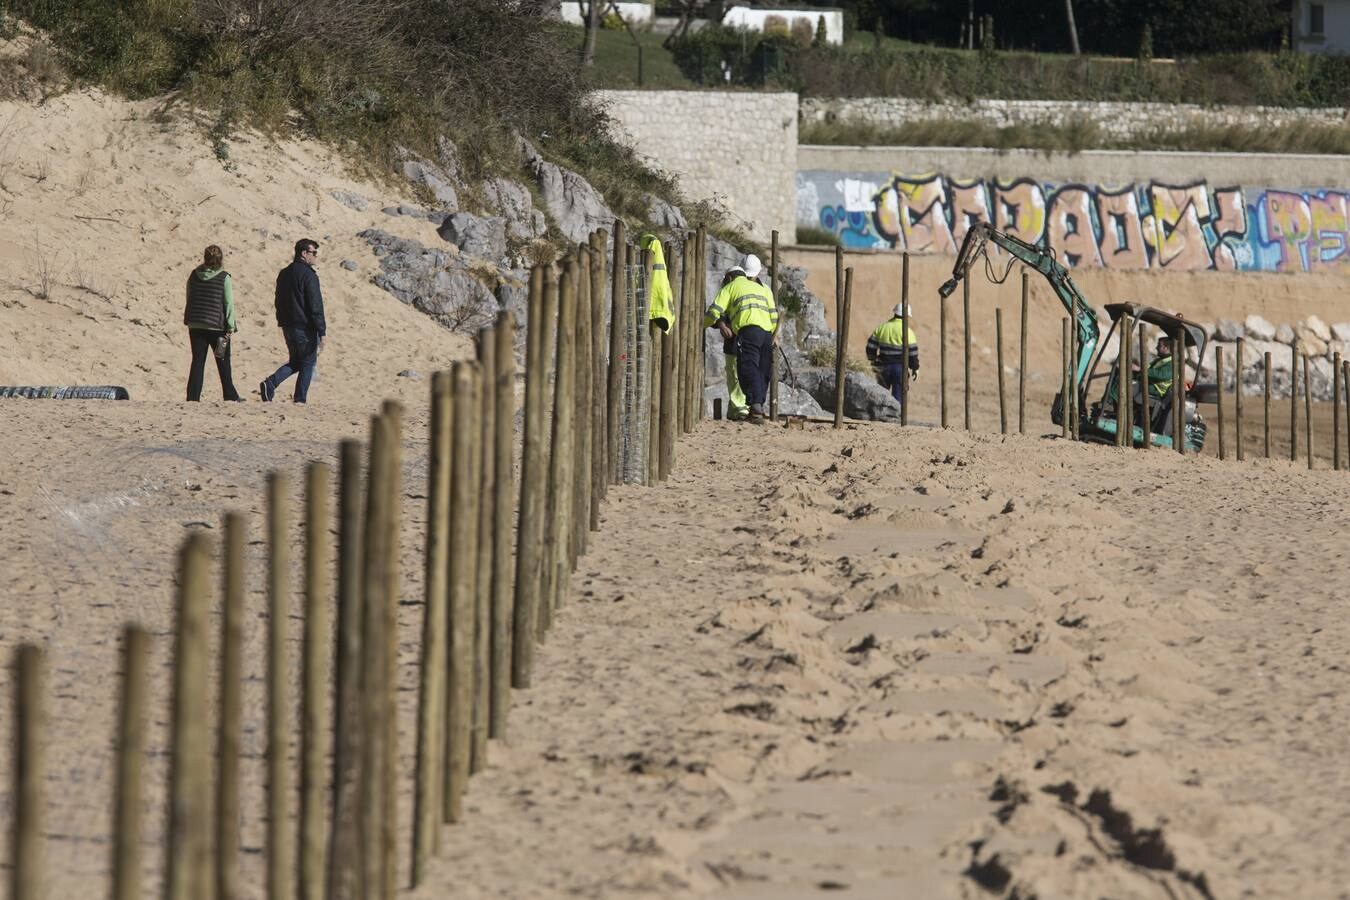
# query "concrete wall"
(1097, 209)
(1116, 119)
(738, 149)
(754, 19)
(634, 13)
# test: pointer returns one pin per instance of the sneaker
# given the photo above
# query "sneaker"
(755, 418)
(266, 391)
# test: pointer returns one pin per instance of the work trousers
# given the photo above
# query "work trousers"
(754, 352)
(892, 376)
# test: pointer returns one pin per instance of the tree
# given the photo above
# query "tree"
(590, 14)
(1073, 29)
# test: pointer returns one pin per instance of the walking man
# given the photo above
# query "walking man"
(752, 316)
(299, 305)
(886, 351)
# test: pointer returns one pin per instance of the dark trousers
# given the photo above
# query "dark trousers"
(303, 346)
(202, 340)
(892, 375)
(754, 356)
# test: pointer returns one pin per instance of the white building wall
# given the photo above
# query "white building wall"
(754, 19)
(1335, 37)
(634, 13)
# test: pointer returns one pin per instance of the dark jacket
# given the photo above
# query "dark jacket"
(299, 301)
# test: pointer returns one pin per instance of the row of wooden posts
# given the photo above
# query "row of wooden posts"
(1069, 386)
(489, 600)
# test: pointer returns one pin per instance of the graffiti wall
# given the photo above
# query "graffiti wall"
(1146, 225)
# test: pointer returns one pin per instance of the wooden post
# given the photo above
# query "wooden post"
(428, 789)
(1074, 344)
(841, 347)
(345, 858)
(485, 490)
(1002, 401)
(188, 863)
(558, 518)
(130, 752)
(231, 706)
(1022, 363)
(942, 356)
(376, 694)
(27, 877)
(534, 461)
(669, 349)
(773, 348)
(314, 706)
(904, 332)
(701, 291)
(1218, 374)
(618, 348)
(1064, 385)
(599, 378)
(1336, 412)
(1307, 411)
(839, 344)
(1179, 391)
(503, 513)
(463, 663)
(1237, 398)
(1122, 379)
(1127, 414)
(1267, 407)
(280, 853)
(393, 416)
(581, 416)
(696, 337)
(1144, 388)
(1293, 402)
(1345, 389)
(965, 305)
(657, 344)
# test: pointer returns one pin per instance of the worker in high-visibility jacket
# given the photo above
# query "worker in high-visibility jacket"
(660, 297)
(752, 318)
(737, 409)
(1160, 370)
(886, 351)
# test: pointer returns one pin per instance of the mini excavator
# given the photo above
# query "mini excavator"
(1098, 421)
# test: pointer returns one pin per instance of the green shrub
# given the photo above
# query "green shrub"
(810, 235)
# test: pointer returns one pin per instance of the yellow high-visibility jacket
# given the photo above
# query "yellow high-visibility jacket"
(659, 294)
(744, 303)
(887, 343)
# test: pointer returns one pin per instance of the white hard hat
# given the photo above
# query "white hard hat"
(735, 269)
(752, 266)
(902, 309)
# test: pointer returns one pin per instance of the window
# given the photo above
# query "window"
(1316, 16)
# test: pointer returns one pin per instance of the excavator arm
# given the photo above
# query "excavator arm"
(1043, 261)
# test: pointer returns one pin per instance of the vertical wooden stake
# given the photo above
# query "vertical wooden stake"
(1267, 404)
(1127, 413)
(840, 341)
(130, 752)
(599, 385)
(231, 707)
(1218, 374)
(393, 416)
(534, 471)
(1179, 391)
(618, 346)
(942, 356)
(1237, 398)
(1075, 347)
(669, 350)
(27, 877)
(1064, 386)
(435, 629)
(1307, 411)
(558, 517)
(1022, 363)
(904, 331)
(773, 348)
(188, 865)
(581, 414)
(376, 694)
(280, 853)
(655, 363)
(965, 305)
(346, 862)
(1122, 380)
(467, 405)
(314, 706)
(1293, 402)
(503, 514)
(486, 490)
(1002, 399)
(1336, 412)
(1345, 389)
(1146, 410)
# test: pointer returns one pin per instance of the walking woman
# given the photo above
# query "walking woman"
(209, 316)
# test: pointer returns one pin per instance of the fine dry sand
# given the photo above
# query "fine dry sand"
(876, 662)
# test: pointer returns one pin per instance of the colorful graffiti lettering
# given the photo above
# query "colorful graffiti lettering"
(1152, 225)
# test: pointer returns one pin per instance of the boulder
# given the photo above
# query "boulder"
(349, 265)
(1228, 330)
(513, 295)
(577, 208)
(1317, 327)
(1309, 343)
(1320, 372)
(1258, 328)
(512, 200)
(863, 397)
(1209, 368)
(1285, 333)
(427, 174)
(447, 154)
(791, 401)
(1341, 347)
(350, 200)
(432, 280)
(1254, 354)
(1341, 331)
(663, 215)
(480, 236)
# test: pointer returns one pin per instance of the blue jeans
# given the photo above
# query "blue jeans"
(754, 355)
(302, 345)
(892, 375)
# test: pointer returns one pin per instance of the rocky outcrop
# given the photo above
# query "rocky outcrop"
(429, 175)
(438, 282)
(863, 397)
(791, 401)
(576, 207)
(482, 236)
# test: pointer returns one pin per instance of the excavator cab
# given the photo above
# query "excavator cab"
(1100, 420)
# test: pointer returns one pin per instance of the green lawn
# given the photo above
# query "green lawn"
(616, 60)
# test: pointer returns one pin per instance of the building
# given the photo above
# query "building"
(760, 19)
(1320, 27)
